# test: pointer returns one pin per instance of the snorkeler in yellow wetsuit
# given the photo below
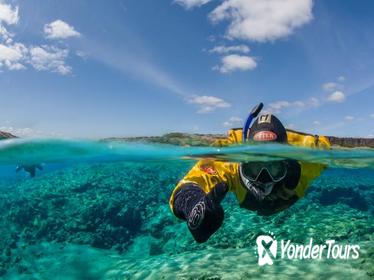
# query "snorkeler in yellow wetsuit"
(266, 187)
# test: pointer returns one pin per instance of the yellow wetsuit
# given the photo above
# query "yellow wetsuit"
(207, 173)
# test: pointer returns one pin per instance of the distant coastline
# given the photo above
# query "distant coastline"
(6, 135)
(190, 139)
(194, 139)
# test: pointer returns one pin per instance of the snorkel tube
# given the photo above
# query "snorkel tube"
(253, 114)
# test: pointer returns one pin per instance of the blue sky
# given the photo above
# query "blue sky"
(136, 67)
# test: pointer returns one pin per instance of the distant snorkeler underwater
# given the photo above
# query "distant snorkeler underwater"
(29, 168)
(266, 187)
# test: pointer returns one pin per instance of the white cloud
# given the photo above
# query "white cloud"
(60, 30)
(15, 55)
(8, 14)
(334, 86)
(236, 62)
(372, 115)
(316, 123)
(189, 4)
(230, 49)
(49, 58)
(208, 104)
(337, 96)
(11, 53)
(42, 58)
(253, 20)
(349, 118)
(259, 20)
(12, 56)
(5, 35)
(330, 86)
(278, 106)
(233, 121)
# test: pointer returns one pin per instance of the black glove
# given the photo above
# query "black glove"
(203, 212)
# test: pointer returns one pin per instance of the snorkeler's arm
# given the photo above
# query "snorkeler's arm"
(205, 174)
(203, 212)
(200, 192)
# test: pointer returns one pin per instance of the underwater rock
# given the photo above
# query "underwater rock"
(122, 208)
(100, 205)
(343, 195)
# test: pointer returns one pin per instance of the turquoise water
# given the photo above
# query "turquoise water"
(99, 210)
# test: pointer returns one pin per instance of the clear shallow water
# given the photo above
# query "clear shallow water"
(99, 210)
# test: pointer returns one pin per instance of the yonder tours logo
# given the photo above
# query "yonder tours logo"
(268, 249)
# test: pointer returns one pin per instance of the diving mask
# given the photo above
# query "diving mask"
(263, 175)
